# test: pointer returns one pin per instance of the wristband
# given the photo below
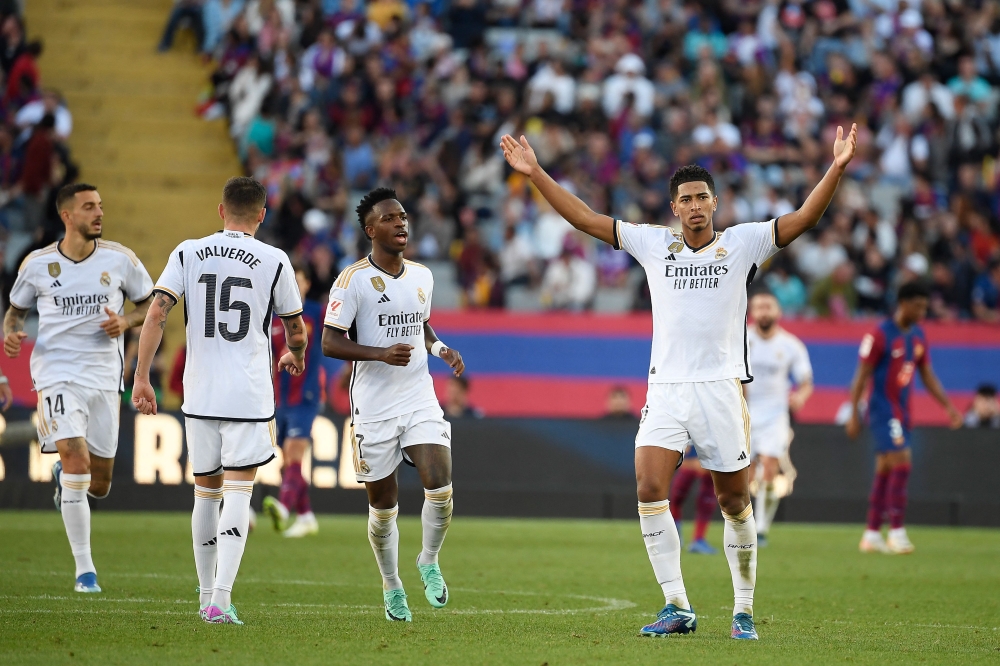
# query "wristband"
(438, 347)
(4, 380)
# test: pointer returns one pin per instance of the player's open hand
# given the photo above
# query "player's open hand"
(843, 149)
(453, 359)
(519, 156)
(397, 355)
(853, 426)
(292, 364)
(115, 324)
(12, 343)
(143, 396)
(6, 396)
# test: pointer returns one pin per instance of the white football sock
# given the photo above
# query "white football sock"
(234, 524)
(663, 545)
(766, 506)
(204, 535)
(384, 538)
(76, 518)
(435, 519)
(740, 539)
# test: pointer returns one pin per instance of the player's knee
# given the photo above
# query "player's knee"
(651, 490)
(733, 503)
(99, 488)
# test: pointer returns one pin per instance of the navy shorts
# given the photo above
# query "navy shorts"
(295, 422)
(889, 434)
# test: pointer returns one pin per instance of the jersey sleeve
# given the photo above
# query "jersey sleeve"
(23, 294)
(633, 238)
(427, 305)
(801, 369)
(138, 284)
(760, 239)
(924, 358)
(872, 347)
(287, 300)
(343, 305)
(171, 280)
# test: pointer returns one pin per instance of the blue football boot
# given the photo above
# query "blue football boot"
(743, 628)
(671, 620)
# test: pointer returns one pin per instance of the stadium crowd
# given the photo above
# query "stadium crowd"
(35, 159)
(328, 98)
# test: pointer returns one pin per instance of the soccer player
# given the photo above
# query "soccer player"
(888, 356)
(298, 400)
(698, 281)
(383, 303)
(778, 358)
(231, 284)
(689, 472)
(79, 285)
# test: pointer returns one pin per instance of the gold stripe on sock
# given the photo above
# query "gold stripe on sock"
(438, 496)
(739, 518)
(653, 508)
(208, 493)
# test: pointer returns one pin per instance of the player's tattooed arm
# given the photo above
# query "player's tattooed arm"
(861, 377)
(296, 339)
(337, 345)
(138, 315)
(143, 395)
(13, 331)
(791, 226)
(934, 387)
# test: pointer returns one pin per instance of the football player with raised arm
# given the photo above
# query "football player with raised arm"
(231, 284)
(377, 317)
(698, 280)
(79, 285)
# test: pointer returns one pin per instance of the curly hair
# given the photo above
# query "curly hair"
(692, 173)
(378, 195)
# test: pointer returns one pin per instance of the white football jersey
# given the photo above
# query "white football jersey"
(71, 297)
(699, 297)
(777, 362)
(377, 309)
(231, 283)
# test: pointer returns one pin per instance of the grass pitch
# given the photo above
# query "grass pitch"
(523, 592)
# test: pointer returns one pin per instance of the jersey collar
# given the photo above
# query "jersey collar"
(97, 244)
(382, 270)
(705, 246)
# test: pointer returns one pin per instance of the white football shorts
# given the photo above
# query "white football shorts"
(712, 416)
(69, 410)
(215, 446)
(378, 447)
(771, 436)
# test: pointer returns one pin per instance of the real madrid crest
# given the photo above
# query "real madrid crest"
(105, 279)
(55, 269)
(720, 253)
(420, 296)
(378, 284)
(362, 465)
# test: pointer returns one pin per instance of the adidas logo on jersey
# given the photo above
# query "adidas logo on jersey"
(55, 284)
(384, 299)
(671, 257)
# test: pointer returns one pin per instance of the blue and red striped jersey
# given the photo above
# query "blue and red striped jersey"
(292, 391)
(895, 355)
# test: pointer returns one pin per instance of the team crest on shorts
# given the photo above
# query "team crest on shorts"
(105, 279)
(675, 247)
(420, 296)
(55, 426)
(365, 469)
(720, 253)
(55, 270)
(378, 284)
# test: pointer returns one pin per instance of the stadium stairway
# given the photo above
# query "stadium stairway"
(159, 167)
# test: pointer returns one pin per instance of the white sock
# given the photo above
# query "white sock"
(663, 545)
(384, 538)
(872, 535)
(740, 539)
(76, 518)
(234, 524)
(435, 519)
(766, 506)
(308, 517)
(204, 535)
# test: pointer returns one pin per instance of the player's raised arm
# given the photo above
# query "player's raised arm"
(13, 331)
(436, 347)
(522, 158)
(793, 225)
(296, 339)
(933, 384)
(143, 395)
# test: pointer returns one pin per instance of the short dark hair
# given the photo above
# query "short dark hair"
(243, 196)
(304, 267)
(461, 380)
(376, 196)
(66, 193)
(986, 390)
(911, 290)
(692, 173)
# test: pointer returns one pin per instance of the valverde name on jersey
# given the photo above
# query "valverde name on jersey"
(236, 254)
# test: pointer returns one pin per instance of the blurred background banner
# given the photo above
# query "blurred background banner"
(537, 467)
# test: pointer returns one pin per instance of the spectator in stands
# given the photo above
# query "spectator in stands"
(456, 402)
(22, 80)
(619, 404)
(835, 296)
(985, 409)
(986, 294)
(184, 10)
(628, 79)
(217, 18)
(51, 102)
(570, 281)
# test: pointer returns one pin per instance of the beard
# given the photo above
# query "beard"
(765, 324)
(88, 234)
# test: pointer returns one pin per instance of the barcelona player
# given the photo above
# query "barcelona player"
(889, 355)
(298, 400)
